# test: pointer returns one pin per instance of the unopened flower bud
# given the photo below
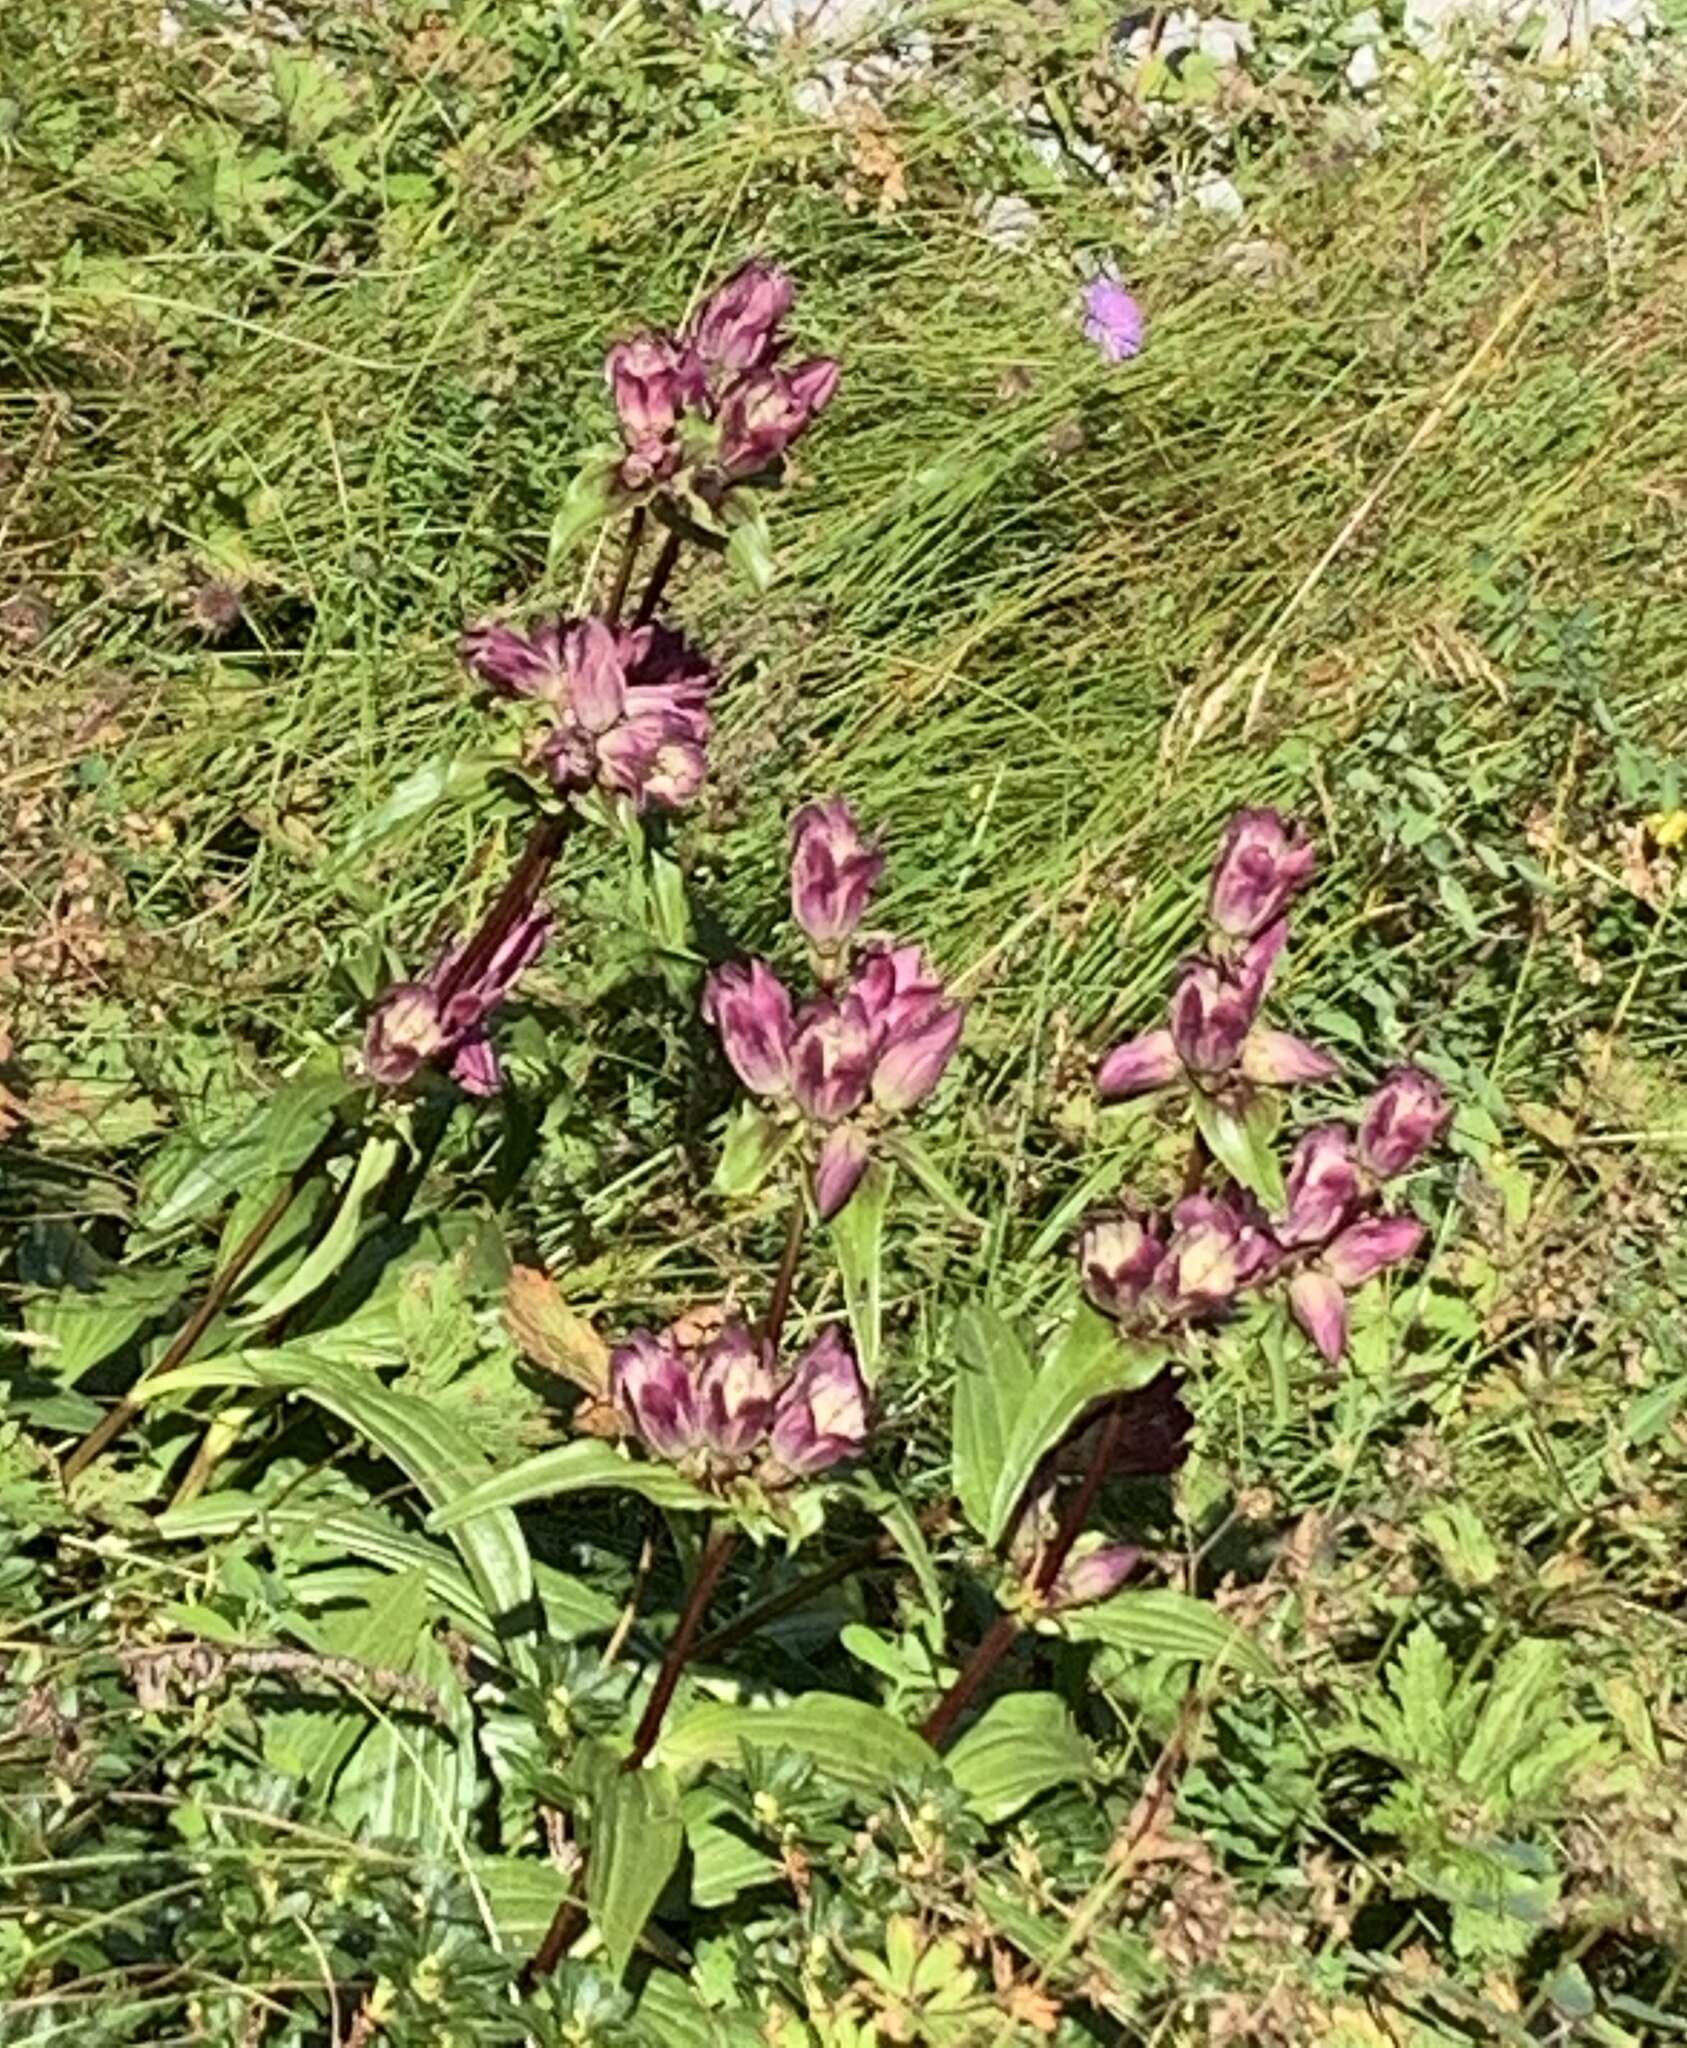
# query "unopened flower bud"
(650, 1382)
(831, 1058)
(737, 326)
(821, 1415)
(1212, 1012)
(1323, 1186)
(833, 872)
(1118, 1257)
(1092, 1574)
(751, 1009)
(1401, 1121)
(763, 413)
(734, 1392)
(1262, 862)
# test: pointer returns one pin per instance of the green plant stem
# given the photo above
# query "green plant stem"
(569, 1918)
(118, 1418)
(624, 568)
(658, 580)
(785, 1280)
(1004, 1630)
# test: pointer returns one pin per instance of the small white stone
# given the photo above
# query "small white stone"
(1219, 196)
(1009, 220)
(1364, 67)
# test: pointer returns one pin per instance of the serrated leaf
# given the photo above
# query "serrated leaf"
(1023, 1746)
(992, 1385)
(637, 1836)
(1092, 1362)
(1242, 1144)
(861, 1746)
(1466, 1549)
(443, 1463)
(573, 1468)
(858, 1235)
(1161, 1622)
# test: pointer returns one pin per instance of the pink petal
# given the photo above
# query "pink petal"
(843, 1160)
(1138, 1066)
(1320, 1308)
(1367, 1247)
(474, 1066)
(1282, 1060)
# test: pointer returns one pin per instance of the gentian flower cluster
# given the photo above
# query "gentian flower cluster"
(717, 1406)
(1159, 1273)
(1332, 1237)
(712, 406)
(627, 707)
(441, 1020)
(1212, 1037)
(876, 1039)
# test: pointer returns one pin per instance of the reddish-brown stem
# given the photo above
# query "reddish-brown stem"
(1000, 1636)
(873, 1551)
(658, 580)
(624, 568)
(785, 1280)
(1078, 1507)
(514, 899)
(223, 1284)
(569, 1918)
(710, 1565)
(998, 1640)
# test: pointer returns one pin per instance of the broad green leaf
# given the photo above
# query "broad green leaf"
(586, 503)
(573, 1468)
(636, 1839)
(336, 1243)
(858, 1234)
(1023, 1745)
(436, 782)
(723, 1863)
(78, 1328)
(1242, 1145)
(523, 1893)
(572, 1608)
(312, 1742)
(417, 1438)
(992, 1386)
(278, 1136)
(756, 1141)
(670, 2015)
(1093, 1361)
(1160, 1622)
(860, 1745)
(414, 1778)
(750, 545)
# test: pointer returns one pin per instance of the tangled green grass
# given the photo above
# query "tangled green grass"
(301, 336)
